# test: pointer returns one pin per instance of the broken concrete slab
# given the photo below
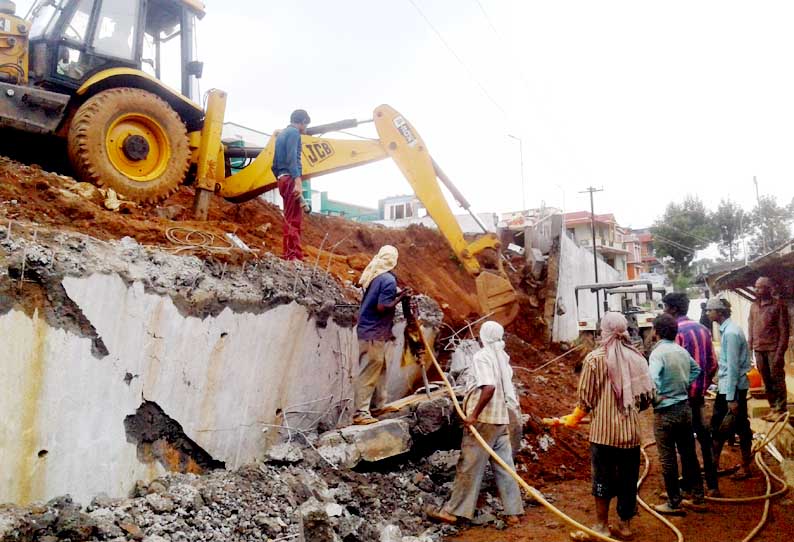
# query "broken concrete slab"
(351, 445)
(285, 452)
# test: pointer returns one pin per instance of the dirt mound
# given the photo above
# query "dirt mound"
(339, 246)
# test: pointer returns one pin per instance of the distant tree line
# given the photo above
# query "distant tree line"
(688, 227)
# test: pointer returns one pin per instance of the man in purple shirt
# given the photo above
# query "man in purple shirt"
(696, 340)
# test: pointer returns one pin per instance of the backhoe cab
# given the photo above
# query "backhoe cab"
(72, 40)
(77, 69)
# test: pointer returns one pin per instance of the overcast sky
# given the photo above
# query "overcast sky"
(651, 101)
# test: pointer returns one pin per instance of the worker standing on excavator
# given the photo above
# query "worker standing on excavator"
(374, 330)
(287, 169)
(486, 404)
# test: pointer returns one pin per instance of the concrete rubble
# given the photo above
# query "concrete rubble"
(307, 501)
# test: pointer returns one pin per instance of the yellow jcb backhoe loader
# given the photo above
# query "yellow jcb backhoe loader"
(75, 70)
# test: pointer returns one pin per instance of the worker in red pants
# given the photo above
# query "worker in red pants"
(287, 169)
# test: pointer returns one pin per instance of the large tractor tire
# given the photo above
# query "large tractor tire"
(132, 141)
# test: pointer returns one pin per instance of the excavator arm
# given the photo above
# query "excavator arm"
(397, 139)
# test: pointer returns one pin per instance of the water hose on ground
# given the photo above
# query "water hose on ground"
(679, 535)
(758, 446)
(538, 496)
(531, 491)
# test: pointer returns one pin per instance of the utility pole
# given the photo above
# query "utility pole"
(591, 191)
(521, 156)
(761, 216)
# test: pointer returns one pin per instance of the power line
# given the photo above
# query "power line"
(459, 59)
(505, 44)
(674, 244)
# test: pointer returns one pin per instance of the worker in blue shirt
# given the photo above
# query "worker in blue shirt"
(730, 408)
(287, 169)
(672, 370)
(375, 321)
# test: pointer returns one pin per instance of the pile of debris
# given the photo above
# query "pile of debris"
(305, 501)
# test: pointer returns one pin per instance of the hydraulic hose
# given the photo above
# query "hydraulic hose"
(531, 491)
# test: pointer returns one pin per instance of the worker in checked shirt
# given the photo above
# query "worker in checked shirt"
(696, 339)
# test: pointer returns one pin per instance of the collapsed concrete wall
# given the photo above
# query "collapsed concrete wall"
(576, 268)
(119, 363)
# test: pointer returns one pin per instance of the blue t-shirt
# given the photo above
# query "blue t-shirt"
(374, 325)
(287, 154)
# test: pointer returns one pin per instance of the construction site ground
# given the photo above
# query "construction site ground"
(556, 462)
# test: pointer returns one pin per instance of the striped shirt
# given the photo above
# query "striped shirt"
(608, 424)
(696, 339)
(486, 373)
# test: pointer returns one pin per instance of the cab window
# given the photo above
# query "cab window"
(77, 29)
(115, 31)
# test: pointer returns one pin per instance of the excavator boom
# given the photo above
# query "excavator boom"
(397, 139)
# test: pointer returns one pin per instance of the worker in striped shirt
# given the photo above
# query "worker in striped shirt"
(696, 339)
(614, 387)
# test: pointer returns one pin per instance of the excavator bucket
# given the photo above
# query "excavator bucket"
(497, 297)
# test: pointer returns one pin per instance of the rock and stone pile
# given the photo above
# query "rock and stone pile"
(307, 501)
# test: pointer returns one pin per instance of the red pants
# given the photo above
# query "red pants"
(293, 216)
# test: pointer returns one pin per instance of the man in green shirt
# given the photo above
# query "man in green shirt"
(672, 371)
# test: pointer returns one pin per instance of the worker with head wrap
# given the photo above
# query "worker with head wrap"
(614, 386)
(375, 320)
(490, 395)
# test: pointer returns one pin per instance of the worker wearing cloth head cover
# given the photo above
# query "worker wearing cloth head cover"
(614, 387)
(490, 394)
(375, 321)
(287, 169)
(729, 416)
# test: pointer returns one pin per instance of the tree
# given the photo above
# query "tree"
(771, 225)
(681, 231)
(728, 221)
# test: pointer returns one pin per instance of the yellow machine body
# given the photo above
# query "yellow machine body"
(13, 49)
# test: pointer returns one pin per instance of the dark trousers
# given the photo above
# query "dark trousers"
(703, 434)
(293, 217)
(773, 371)
(741, 427)
(615, 472)
(672, 427)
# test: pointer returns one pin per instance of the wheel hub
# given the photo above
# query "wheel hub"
(135, 147)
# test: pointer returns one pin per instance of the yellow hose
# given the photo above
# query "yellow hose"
(678, 534)
(765, 515)
(758, 446)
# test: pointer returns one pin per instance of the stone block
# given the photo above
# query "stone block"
(434, 415)
(380, 440)
(348, 446)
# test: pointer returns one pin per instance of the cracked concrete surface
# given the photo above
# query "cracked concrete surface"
(99, 328)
